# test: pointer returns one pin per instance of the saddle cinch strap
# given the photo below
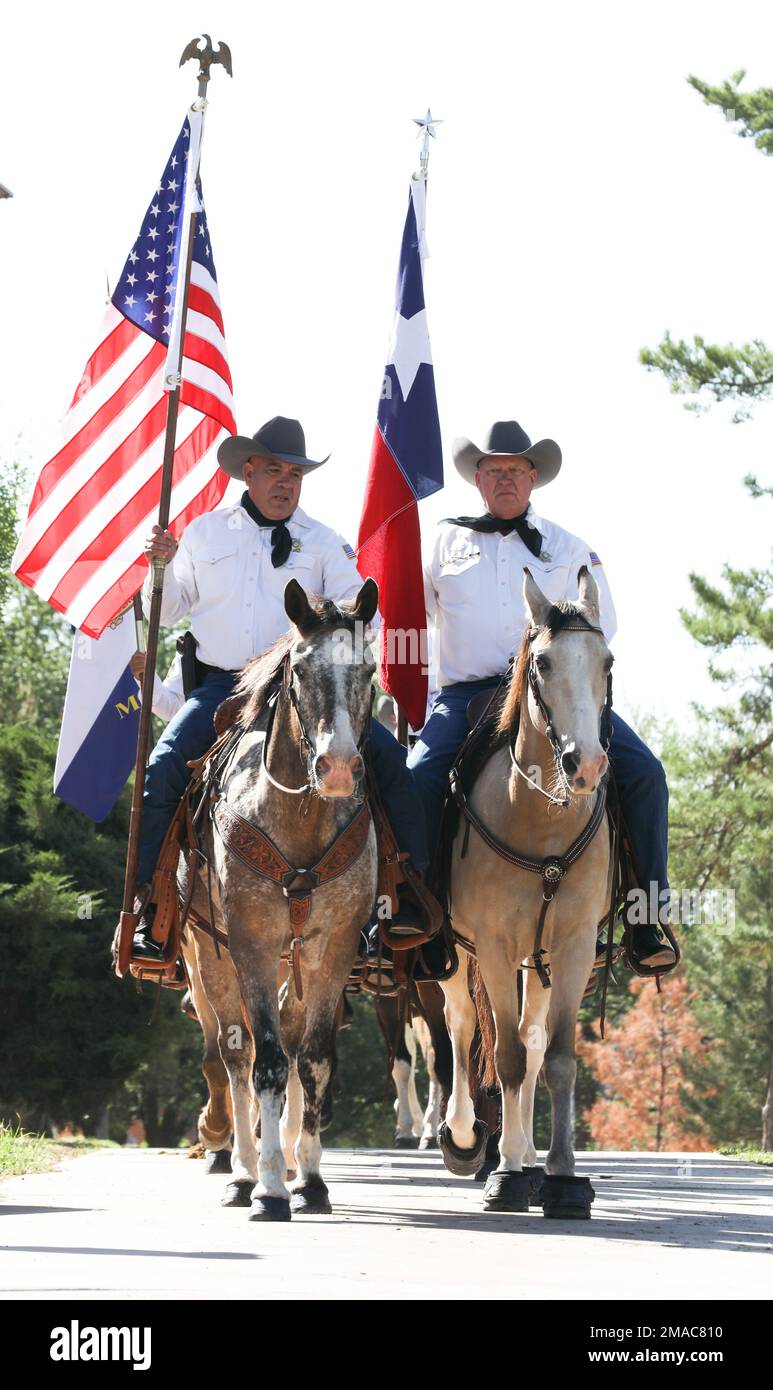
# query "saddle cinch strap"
(257, 851)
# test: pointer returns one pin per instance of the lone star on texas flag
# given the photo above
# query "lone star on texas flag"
(408, 348)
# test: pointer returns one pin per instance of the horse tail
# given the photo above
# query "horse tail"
(485, 1055)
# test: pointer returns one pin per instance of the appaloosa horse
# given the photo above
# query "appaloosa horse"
(293, 864)
(533, 832)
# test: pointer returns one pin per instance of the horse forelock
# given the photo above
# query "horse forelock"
(559, 614)
(259, 675)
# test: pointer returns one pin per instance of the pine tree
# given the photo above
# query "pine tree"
(710, 372)
(722, 776)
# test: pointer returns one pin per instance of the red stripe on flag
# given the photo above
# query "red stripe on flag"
(124, 589)
(141, 504)
(203, 303)
(92, 492)
(208, 404)
(390, 552)
(201, 350)
(108, 352)
(61, 463)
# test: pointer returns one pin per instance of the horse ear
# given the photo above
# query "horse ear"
(366, 602)
(297, 606)
(537, 604)
(588, 593)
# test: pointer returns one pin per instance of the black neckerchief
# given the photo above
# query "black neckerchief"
(281, 540)
(530, 536)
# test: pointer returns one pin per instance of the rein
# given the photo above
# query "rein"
(309, 785)
(258, 852)
(553, 868)
(582, 626)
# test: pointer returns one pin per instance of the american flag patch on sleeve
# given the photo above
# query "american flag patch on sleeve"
(594, 559)
(347, 549)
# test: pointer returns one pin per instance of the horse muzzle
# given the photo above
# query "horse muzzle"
(338, 777)
(583, 772)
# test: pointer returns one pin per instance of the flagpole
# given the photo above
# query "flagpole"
(425, 124)
(205, 57)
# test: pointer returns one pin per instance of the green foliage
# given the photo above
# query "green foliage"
(21, 1152)
(732, 975)
(721, 777)
(752, 112)
(363, 1094)
(711, 372)
(74, 1039)
(721, 780)
(719, 372)
(35, 642)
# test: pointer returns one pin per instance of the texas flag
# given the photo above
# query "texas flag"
(406, 464)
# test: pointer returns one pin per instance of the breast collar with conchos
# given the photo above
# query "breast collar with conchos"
(554, 868)
(258, 852)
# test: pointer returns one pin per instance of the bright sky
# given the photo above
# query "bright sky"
(582, 199)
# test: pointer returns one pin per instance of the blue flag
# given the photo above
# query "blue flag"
(101, 720)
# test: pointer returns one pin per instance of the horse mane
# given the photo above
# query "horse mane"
(259, 675)
(558, 616)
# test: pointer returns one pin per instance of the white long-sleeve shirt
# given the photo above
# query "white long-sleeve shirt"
(168, 694)
(223, 577)
(473, 589)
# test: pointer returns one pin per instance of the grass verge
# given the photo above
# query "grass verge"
(21, 1152)
(750, 1155)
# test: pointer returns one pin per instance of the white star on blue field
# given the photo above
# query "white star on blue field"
(146, 288)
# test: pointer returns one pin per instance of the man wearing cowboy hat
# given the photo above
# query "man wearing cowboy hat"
(229, 572)
(476, 615)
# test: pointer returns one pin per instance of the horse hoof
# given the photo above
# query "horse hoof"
(270, 1209)
(238, 1194)
(429, 1141)
(536, 1176)
(566, 1199)
(406, 1141)
(310, 1200)
(217, 1161)
(463, 1163)
(506, 1192)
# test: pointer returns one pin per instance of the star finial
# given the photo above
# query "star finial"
(427, 122)
(426, 126)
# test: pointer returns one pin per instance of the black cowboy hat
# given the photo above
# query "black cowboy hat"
(506, 437)
(279, 438)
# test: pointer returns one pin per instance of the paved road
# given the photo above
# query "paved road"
(136, 1223)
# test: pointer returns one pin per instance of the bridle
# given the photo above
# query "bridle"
(288, 690)
(577, 624)
(256, 849)
(554, 867)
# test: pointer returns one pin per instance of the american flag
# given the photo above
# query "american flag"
(406, 464)
(97, 498)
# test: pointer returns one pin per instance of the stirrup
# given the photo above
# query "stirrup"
(378, 978)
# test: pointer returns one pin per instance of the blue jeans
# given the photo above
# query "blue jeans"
(192, 731)
(188, 735)
(640, 778)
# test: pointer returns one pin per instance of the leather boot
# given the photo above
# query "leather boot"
(143, 945)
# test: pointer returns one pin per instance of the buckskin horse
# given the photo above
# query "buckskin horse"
(532, 829)
(289, 872)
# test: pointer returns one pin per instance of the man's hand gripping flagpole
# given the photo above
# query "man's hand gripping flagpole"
(172, 381)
